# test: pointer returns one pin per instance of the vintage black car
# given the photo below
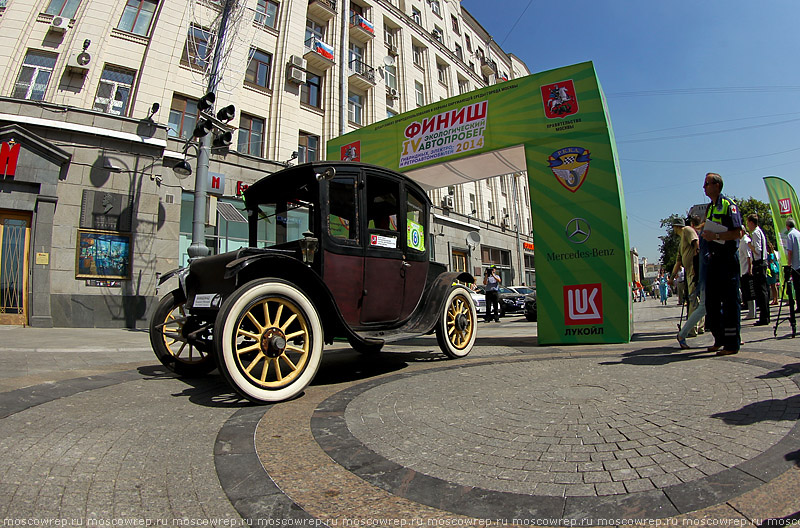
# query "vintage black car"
(336, 250)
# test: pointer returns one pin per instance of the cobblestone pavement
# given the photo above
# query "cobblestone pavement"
(91, 428)
(604, 429)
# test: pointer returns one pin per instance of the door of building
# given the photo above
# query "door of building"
(15, 232)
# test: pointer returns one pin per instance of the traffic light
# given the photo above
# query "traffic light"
(204, 126)
(227, 113)
(206, 102)
(223, 139)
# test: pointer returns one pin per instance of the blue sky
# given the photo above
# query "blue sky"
(692, 87)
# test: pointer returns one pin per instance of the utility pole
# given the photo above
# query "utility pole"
(198, 247)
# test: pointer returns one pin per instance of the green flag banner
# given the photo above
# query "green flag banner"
(555, 126)
(784, 204)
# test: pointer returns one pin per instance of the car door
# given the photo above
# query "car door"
(384, 265)
(342, 246)
(415, 255)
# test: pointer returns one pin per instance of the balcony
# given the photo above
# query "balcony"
(318, 54)
(322, 9)
(488, 68)
(361, 29)
(362, 75)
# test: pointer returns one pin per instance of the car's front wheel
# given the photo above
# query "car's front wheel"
(457, 328)
(269, 340)
(168, 329)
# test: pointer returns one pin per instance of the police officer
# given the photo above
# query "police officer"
(722, 230)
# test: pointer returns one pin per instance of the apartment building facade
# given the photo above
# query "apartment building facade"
(99, 102)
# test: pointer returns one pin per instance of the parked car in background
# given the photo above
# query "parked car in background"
(531, 311)
(510, 301)
(522, 290)
(480, 301)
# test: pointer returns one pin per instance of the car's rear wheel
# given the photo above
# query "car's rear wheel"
(269, 340)
(168, 328)
(457, 325)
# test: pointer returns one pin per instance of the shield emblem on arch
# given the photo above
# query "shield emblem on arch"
(570, 166)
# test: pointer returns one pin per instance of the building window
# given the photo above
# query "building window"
(266, 13)
(307, 148)
(198, 48)
(357, 63)
(416, 15)
(441, 70)
(34, 75)
(454, 21)
(114, 91)
(438, 35)
(463, 86)
(137, 16)
(355, 108)
(64, 8)
(314, 30)
(258, 68)
(419, 56)
(311, 91)
(459, 52)
(472, 209)
(182, 117)
(390, 76)
(468, 42)
(251, 135)
(472, 66)
(435, 8)
(419, 92)
(390, 35)
(390, 113)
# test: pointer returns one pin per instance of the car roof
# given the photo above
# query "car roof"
(296, 176)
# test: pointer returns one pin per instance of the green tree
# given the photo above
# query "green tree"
(752, 205)
(670, 243)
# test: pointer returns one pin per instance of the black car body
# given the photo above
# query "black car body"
(510, 301)
(336, 250)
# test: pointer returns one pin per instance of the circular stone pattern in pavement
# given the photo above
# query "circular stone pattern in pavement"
(577, 427)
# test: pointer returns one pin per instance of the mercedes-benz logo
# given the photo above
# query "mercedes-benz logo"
(578, 230)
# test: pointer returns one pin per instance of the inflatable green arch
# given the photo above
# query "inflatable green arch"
(555, 126)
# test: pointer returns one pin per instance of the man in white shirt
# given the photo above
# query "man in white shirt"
(793, 257)
(758, 246)
(746, 270)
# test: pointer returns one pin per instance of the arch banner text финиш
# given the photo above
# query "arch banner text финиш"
(555, 126)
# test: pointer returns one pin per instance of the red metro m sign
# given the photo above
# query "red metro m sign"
(9, 154)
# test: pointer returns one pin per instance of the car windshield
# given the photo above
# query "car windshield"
(524, 290)
(506, 290)
(284, 221)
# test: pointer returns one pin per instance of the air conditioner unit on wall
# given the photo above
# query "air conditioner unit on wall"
(59, 24)
(392, 92)
(392, 49)
(296, 75)
(297, 61)
(79, 62)
(447, 202)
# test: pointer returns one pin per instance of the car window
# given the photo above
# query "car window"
(343, 211)
(383, 208)
(523, 290)
(415, 212)
(505, 290)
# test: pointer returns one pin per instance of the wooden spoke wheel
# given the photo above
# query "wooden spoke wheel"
(168, 329)
(457, 325)
(269, 340)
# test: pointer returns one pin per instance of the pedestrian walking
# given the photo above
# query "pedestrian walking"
(662, 288)
(746, 277)
(758, 245)
(774, 272)
(722, 229)
(793, 258)
(694, 321)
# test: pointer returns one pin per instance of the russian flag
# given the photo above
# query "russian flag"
(323, 49)
(365, 24)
